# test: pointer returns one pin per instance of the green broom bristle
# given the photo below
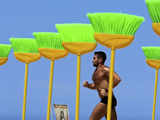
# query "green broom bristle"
(48, 40)
(24, 45)
(115, 23)
(4, 50)
(76, 32)
(154, 10)
(152, 53)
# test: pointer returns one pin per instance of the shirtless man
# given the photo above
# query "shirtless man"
(100, 83)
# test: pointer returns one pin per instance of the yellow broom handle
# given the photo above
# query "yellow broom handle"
(110, 85)
(78, 87)
(155, 94)
(50, 90)
(25, 91)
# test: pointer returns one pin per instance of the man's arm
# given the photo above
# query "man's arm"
(116, 78)
(90, 86)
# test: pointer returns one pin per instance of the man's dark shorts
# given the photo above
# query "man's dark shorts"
(105, 101)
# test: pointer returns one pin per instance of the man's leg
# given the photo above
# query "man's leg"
(113, 114)
(99, 111)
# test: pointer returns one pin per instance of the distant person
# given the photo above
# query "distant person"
(101, 84)
(62, 115)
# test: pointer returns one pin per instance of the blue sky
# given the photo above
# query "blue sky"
(20, 18)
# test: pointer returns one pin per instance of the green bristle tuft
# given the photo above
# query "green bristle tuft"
(4, 50)
(48, 40)
(76, 32)
(154, 10)
(24, 45)
(115, 23)
(151, 53)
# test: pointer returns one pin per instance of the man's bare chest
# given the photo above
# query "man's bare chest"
(98, 76)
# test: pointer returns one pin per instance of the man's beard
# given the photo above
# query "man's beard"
(95, 65)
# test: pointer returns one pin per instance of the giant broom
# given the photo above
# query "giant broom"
(4, 52)
(154, 12)
(77, 39)
(115, 31)
(153, 52)
(25, 51)
(50, 46)
(153, 60)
